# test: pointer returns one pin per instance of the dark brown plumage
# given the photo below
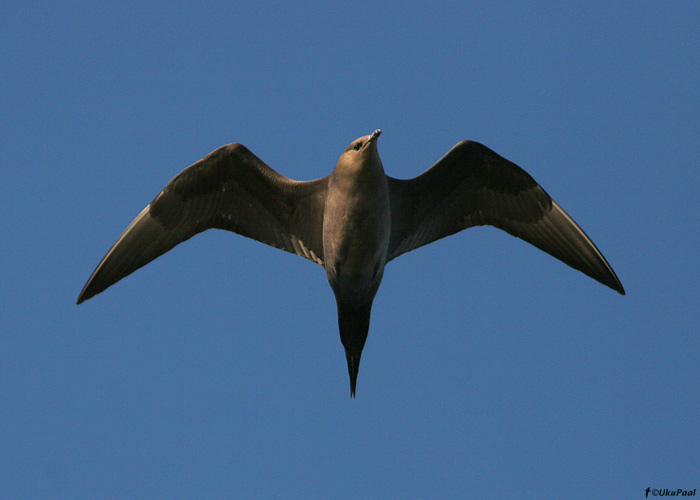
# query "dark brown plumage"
(351, 222)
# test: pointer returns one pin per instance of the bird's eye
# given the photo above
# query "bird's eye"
(357, 146)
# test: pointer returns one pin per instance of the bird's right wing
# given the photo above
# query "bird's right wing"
(229, 189)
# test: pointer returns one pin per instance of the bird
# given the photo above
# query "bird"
(351, 222)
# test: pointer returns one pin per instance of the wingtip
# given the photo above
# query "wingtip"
(85, 293)
(613, 281)
(82, 298)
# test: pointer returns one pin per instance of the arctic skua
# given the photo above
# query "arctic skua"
(351, 222)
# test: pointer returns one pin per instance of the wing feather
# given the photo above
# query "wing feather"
(471, 186)
(229, 189)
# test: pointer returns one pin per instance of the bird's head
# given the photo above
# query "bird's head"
(361, 152)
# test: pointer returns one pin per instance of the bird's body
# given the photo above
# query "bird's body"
(357, 224)
(351, 222)
(356, 231)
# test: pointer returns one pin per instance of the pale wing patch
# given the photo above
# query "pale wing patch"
(302, 250)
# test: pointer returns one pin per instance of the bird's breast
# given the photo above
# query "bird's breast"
(356, 231)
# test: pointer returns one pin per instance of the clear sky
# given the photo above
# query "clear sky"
(491, 369)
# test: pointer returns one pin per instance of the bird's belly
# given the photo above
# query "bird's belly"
(355, 249)
(361, 246)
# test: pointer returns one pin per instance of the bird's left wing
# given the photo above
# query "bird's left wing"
(471, 186)
(230, 189)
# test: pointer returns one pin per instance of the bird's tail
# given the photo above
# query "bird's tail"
(353, 322)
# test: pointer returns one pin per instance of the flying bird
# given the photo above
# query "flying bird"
(351, 222)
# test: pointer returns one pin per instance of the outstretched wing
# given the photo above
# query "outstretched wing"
(229, 189)
(471, 186)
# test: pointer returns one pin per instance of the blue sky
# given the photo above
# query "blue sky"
(491, 369)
